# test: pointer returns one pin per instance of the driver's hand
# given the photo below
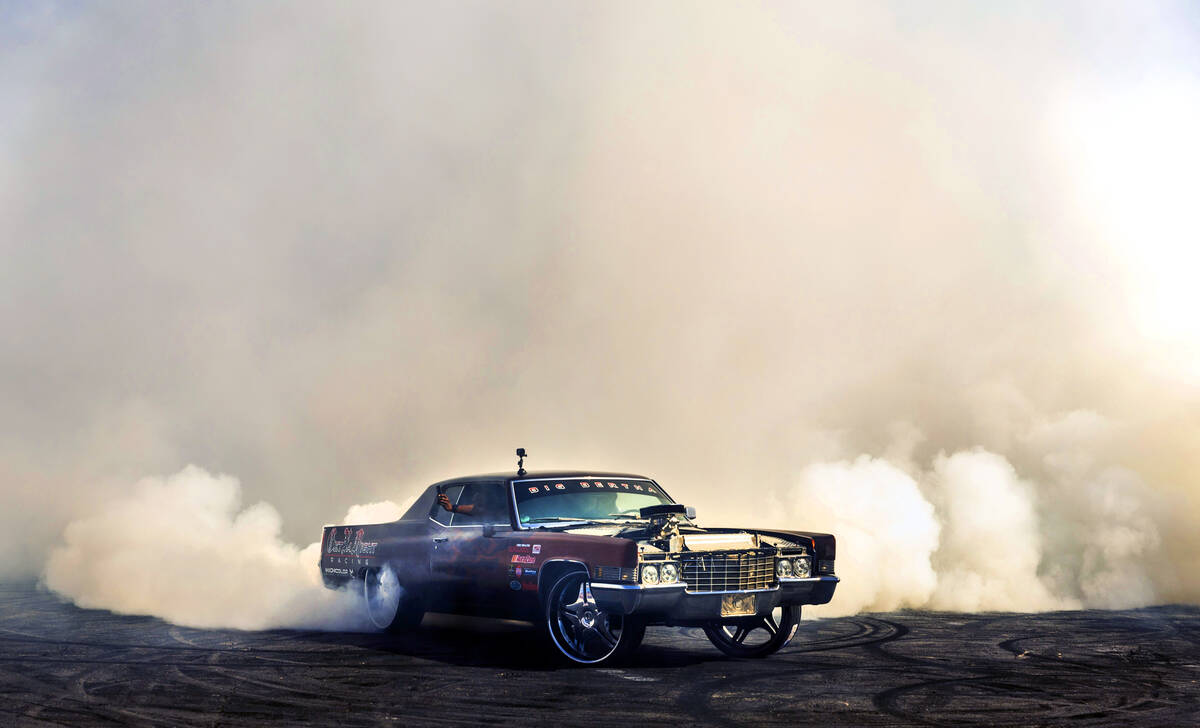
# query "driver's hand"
(444, 501)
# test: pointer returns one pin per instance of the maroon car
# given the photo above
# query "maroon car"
(596, 557)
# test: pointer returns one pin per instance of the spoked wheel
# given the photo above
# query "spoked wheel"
(581, 630)
(755, 636)
(389, 605)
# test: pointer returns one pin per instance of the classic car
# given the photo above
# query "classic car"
(594, 557)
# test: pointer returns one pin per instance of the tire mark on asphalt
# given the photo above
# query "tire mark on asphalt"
(871, 634)
(860, 670)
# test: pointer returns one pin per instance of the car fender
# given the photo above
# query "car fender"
(561, 560)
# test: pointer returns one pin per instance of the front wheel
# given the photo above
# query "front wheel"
(755, 636)
(390, 606)
(582, 631)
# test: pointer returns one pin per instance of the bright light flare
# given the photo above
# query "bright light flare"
(1136, 156)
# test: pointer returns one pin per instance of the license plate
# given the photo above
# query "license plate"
(737, 605)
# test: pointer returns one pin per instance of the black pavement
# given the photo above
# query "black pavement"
(64, 665)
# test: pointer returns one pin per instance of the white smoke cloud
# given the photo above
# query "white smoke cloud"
(183, 548)
(1105, 545)
(381, 512)
(886, 531)
(344, 251)
(991, 547)
(968, 533)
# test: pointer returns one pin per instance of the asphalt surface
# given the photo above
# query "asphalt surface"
(64, 665)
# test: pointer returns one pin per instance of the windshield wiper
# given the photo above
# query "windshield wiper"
(566, 522)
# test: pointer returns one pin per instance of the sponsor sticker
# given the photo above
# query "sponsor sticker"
(523, 559)
(518, 570)
(584, 485)
(636, 486)
(560, 486)
(519, 548)
(351, 546)
(514, 585)
(537, 548)
(528, 572)
(533, 489)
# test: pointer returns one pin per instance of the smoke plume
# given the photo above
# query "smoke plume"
(184, 549)
(917, 274)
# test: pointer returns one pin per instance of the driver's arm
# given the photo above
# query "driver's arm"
(444, 501)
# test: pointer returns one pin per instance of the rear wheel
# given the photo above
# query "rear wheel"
(755, 636)
(389, 605)
(581, 630)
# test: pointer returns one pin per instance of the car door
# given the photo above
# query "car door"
(442, 544)
(473, 567)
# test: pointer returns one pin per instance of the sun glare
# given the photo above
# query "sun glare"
(1137, 161)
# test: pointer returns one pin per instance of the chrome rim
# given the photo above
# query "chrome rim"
(580, 628)
(382, 592)
(754, 633)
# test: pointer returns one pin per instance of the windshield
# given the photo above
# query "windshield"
(542, 501)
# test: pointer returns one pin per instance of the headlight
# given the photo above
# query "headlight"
(668, 573)
(650, 574)
(803, 568)
(783, 568)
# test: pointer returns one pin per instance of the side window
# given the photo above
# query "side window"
(439, 514)
(482, 503)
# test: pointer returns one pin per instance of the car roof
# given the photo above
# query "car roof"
(540, 474)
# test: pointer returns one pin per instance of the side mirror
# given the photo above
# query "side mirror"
(691, 513)
(489, 530)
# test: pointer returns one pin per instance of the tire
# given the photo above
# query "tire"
(390, 607)
(580, 630)
(755, 636)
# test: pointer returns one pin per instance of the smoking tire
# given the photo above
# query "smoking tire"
(581, 631)
(390, 607)
(755, 636)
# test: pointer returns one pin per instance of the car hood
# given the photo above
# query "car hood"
(691, 537)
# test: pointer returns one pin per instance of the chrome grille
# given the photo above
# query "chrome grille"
(728, 570)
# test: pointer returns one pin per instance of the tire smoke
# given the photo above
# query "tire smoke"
(182, 548)
(969, 534)
(917, 275)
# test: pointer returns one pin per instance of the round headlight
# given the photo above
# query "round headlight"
(783, 568)
(803, 567)
(649, 574)
(669, 573)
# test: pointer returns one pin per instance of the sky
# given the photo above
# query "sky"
(909, 272)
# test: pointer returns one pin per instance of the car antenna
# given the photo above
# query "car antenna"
(520, 461)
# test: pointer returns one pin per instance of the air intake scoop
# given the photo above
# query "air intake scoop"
(719, 541)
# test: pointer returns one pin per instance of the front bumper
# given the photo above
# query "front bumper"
(674, 604)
